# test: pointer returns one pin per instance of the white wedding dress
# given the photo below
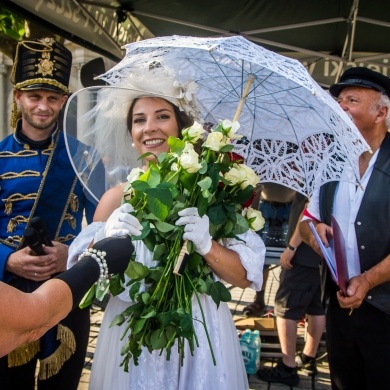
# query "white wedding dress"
(198, 371)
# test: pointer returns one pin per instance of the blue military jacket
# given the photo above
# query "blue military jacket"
(38, 182)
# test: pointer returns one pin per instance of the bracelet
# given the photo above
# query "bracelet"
(217, 259)
(292, 248)
(99, 257)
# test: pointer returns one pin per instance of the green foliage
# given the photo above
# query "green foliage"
(160, 315)
(12, 25)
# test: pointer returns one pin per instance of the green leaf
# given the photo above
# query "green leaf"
(159, 202)
(159, 250)
(88, 298)
(102, 289)
(201, 286)
(116, 284)
(188, 180)
(158, 339)
(171, 187)
(172, 177)
(213, 174)
(219, 293)
(149, 313)
(152, 175)
(150, 240)
(202, 203)
(176, 145)
(164, 227)
(156, 273)
(140, 186)
(139, 325)
(134, 308)
(241, 226)
(134, 290)
(226, 148)
(243, 195)
(186, 325)
(205, 184)
(217, 214)
(145, 298)
(118, 320)
(136, 270)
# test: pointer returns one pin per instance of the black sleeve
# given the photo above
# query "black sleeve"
(86, 272)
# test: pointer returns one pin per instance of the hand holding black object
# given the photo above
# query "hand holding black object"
(32, 239)
(86, 272)
(37, 223)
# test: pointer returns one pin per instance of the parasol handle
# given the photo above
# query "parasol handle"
(243, 97)
(182, 260)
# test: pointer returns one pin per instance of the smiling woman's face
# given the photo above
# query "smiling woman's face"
(153, 120)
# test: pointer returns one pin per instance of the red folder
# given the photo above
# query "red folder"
(340, 256)
(336, 259)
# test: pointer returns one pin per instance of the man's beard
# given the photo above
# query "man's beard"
(36, 124)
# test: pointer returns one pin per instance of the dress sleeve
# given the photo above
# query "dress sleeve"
(251, 249)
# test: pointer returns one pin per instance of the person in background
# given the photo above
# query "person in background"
(38, 180)
(299, 295)
(274, 201)
(27, 316)
(358, 323)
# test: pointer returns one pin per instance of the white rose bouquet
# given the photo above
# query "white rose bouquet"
(206, 175)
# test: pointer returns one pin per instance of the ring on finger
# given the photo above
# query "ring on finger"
(35, 274)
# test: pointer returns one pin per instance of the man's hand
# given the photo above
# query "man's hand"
(357, 290)
(38, 268)
(286, 258)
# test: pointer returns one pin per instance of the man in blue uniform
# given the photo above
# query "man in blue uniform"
(37, 180)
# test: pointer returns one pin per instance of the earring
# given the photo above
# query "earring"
(132, 145)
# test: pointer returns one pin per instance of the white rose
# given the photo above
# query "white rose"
(195, 132)
(215, 141)
(189, 159)
(258, 221)
(135, 174)
(230, 129)
(233, 176)
(248, 175)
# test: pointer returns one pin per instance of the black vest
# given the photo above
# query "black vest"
(372, 224)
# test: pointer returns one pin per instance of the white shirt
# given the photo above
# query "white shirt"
(346, 205)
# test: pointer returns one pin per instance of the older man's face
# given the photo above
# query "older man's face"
(360, 105)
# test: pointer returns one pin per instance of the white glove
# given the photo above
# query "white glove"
(196, 229)
(120, 223)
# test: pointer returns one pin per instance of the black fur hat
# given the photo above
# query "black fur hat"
(41, 64)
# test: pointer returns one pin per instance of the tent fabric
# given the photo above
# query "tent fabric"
(343, 31)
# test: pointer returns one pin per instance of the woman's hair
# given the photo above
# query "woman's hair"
(182, 119)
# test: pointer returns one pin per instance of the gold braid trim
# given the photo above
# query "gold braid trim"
(21, 153)
(14, 175)
(16, 198)
(71, 220)
(23, 354)
(14, 114)
(65, 238)
(74, 202)
(53, 364)
(15, 221)
(42, 80)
